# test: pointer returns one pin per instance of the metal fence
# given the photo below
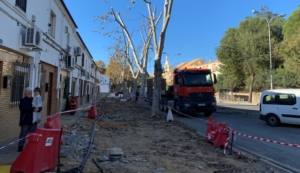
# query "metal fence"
(20, 81)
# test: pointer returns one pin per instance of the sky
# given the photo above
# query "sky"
(195, 29)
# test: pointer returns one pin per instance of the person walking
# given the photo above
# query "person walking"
(26, 117)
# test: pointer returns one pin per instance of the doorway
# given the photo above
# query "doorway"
(49, 101)
(88, 93)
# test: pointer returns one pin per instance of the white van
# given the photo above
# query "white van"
(280, 106)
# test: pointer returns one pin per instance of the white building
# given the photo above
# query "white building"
(104, 84)
(40, 47)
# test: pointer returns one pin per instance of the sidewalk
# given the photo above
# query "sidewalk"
(9, 154)
(237, 102)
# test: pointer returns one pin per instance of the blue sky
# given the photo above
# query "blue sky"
(195, 28)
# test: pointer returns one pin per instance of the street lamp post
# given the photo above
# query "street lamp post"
(269, 18)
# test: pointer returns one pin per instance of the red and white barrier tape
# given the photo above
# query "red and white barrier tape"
(186, 114)
(75, 110)
(40, 134)
(19, 140)
(267, 140)
(227, 141)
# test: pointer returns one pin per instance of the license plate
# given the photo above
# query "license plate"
(201, 104)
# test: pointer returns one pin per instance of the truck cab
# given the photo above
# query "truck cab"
(192, 91)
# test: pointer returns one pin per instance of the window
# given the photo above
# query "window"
(286, 99)
(179, 79)
(19, 82)
(197, 79)
(21, 4)
(269, 99)
(176, 79)
(68, 40)
(52, 24)
(82, 60)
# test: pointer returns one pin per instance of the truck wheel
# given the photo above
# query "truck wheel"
(166, 109)
(161, 107)
(176, 107)
(273, 120)
(207, 113)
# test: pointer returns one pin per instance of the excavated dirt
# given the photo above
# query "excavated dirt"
(151, 144)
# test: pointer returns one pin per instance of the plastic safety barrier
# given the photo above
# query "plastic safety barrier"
(40, 154)
(216, 133)
(92, 112)
(53, 122)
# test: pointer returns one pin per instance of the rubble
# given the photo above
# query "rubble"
(128, 139)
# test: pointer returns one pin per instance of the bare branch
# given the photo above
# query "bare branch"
(121, 23)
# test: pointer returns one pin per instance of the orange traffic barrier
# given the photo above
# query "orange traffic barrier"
(53, 122)
(216, 133)
(92, 112)
(40, 154)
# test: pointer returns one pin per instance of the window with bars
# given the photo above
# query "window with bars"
(21, 4)
(19, 82)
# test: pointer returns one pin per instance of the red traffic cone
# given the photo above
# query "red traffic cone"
(92, 112)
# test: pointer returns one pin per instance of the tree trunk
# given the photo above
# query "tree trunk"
(134, 88)
(252, 76)
(157, 87)
(144, 76)
(231, 94)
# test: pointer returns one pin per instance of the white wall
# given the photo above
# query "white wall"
(17, 21)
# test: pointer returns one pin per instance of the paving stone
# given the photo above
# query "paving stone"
(102, 158)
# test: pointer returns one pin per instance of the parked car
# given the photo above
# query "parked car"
(119, 94)
(280, 106)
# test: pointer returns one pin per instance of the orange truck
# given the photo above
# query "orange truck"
(192, 91)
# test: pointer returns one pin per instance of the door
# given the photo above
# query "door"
(268, 104)
(1, 66)
(88, 93)
(49, 105)
(288, 108)
(80, 92)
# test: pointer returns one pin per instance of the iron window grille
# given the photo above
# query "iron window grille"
(21, 4)
(19, 82)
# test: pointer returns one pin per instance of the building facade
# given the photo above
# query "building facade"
(40, 47)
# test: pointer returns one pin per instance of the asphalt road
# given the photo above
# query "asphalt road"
(245, 119)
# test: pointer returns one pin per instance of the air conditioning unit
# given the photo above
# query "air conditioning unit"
(70, 61)
(68, 48)
(77, 51)
(93, 65)
(32, 37)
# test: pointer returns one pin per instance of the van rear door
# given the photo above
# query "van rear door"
(268, 104)
(288, 108)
